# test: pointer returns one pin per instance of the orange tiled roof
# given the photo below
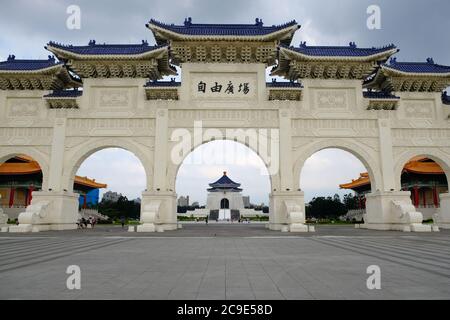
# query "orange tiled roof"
(89, 182)
(30, 167)
(361, 181)
(418, 165)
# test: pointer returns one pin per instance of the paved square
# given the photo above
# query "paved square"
(225, 262)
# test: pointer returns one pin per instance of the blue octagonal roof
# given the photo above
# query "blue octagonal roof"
(224, 183)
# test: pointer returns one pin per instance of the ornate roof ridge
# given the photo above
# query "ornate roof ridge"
(188, 23)
(393, 63)
(351, 45)
(93, 43)
(12, 63)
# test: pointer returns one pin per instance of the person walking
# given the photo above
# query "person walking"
(206, 219)
(122, 221)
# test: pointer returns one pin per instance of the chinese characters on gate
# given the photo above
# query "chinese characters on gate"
(229, 88)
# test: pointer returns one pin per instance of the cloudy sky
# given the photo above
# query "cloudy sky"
(419, 28)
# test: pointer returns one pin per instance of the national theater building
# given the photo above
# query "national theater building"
(21, 175)
(361, 99)
(421, 176)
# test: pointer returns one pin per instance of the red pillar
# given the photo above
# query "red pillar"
(424, 192)
(30, 195)
(416, 196)
(84, 201)
(435, 197)
(11, 197)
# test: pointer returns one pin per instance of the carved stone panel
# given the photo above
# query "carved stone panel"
(332, 101)
(25, 136)
(421, 137)
(114, 98)
(110, 127)
(418, 109)
(23, 112)
(224, 118)
(334, 127)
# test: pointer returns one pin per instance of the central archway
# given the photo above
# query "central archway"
(245, 176)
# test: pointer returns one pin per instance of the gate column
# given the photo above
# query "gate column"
(52, 209)
(158, 206)
(287, 206)
(386, 208)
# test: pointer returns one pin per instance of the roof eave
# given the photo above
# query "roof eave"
(67, 54)
(164, 35)
(381, 56)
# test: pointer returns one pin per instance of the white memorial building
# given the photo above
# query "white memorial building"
(92, 96)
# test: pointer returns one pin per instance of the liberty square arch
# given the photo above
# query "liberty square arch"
(59, 111)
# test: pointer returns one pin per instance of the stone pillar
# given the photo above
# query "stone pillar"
(442, 218)
(287, 211)
(387, 209)
(52, 209)
(161, 151)
(158, 211)
(285, 151)
(158, 206)
(386, 155)
(3, 219)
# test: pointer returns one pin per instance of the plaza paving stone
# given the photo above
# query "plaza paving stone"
(223, 261)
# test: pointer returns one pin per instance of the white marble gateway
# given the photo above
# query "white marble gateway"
(347, 97)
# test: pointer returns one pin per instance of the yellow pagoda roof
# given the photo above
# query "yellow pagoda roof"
(26, 165)
(417, 165)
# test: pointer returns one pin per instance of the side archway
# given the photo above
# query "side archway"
(441, 158)
(76, 157)
(42, 159)
(358, 150)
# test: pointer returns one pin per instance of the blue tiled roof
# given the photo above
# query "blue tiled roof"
(13, 64)
(171, 83)
(189, 28)
(379, 95)
(445, 98)
(340, 51)
(418, 67)
(224, 182)
(64, 94)
(283, 84)
(107, 49)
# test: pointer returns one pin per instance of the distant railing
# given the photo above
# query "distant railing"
(86, 213)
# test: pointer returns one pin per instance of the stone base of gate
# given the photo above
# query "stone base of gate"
(442, 217)
(158, 212)
(49, 210)
(393, 211)
(287, 212)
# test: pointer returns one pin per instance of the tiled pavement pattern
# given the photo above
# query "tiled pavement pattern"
(244, 263)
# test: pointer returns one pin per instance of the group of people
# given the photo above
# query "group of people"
(83, 223)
